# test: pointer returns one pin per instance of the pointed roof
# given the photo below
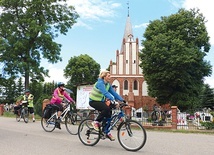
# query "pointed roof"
(127, 33)
(128, 29)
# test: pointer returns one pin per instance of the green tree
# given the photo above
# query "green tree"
(207, 97)
(27, 32)
(173, 58)
(81, 70)
(19, 87)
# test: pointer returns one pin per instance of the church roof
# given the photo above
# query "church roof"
(128, 35)
(128, 29)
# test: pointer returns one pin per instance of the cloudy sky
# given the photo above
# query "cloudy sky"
(100, 28)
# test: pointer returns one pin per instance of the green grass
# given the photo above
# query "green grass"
(12, 115)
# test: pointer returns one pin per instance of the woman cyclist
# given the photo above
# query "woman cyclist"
(101, 92)
(58, 95)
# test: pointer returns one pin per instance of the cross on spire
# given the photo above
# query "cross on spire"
(128, 7)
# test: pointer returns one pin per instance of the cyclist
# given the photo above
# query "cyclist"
(114, 87)
(29, 98)
(100, 95)
(58, 95)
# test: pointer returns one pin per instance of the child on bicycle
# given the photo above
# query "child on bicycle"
(58, 95)
(101, 92)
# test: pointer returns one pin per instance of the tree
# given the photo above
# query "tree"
(207, 97)
(27, 32)
(81, 70)
(173, 58)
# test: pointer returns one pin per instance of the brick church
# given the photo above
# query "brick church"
(126, 73)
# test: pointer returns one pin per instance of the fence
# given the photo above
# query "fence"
(175, 120)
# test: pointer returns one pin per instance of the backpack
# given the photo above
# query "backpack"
(47, 111)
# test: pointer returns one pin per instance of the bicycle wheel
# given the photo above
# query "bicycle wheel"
(48, 124)
(86, 133)
(131, 135)
(154, 116)
(72, 123)
(25, 114)
(163, 116)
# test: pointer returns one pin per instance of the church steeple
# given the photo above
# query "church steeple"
(128, 34)
(128, 28)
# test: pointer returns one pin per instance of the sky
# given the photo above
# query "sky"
(100, 28)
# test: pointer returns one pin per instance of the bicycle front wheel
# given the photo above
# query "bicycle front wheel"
(86, 133)
(48, 124)
(25, 114)
(72, 123)
(131, 135)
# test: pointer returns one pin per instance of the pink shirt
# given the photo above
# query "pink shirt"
(59, 95)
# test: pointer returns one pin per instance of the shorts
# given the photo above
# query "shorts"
(57, 107)
(31, 110)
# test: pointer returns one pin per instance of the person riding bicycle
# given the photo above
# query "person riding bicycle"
(58, 95)
(29, 98)
(102, 92)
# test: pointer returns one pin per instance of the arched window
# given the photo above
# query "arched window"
(135, 85)
(125, 85)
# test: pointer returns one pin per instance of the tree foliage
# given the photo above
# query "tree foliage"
(173, 58)
(81, 70)
(207, 97)
(27, 32)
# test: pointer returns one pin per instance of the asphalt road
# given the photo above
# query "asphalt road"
(19, 138)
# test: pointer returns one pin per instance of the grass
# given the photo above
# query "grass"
(12, 115)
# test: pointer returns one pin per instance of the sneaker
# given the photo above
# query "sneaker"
(109, 135)
(33, 120)
(95, 125)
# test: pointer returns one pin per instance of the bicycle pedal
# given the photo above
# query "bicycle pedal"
(103, 136)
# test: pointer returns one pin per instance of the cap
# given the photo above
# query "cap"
(114, 86)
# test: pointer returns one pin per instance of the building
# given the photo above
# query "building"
(126, 73)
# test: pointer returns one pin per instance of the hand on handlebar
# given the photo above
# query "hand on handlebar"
(113, 102)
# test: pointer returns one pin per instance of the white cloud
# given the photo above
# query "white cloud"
(144, 25)
(56, 75)
(94, 10)
(210, 81)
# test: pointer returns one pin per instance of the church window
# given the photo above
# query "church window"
(135, 85)
(125, 85)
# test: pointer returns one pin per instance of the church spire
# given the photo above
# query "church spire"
(128, 35)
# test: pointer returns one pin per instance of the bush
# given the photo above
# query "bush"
(208, 125)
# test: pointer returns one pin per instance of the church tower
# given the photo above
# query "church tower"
(126, 72)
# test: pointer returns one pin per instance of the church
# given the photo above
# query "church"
(127, 74)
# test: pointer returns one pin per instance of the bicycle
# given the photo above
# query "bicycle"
(93, 114)
(158, 116)
(23, 112)
(71, 120)
(130, 133)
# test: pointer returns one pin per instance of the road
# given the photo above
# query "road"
(19, 138)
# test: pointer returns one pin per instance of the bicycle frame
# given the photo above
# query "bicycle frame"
(107, 123)
(24, 112)
(63, 114)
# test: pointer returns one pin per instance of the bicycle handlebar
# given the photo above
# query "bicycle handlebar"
(123, 105)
